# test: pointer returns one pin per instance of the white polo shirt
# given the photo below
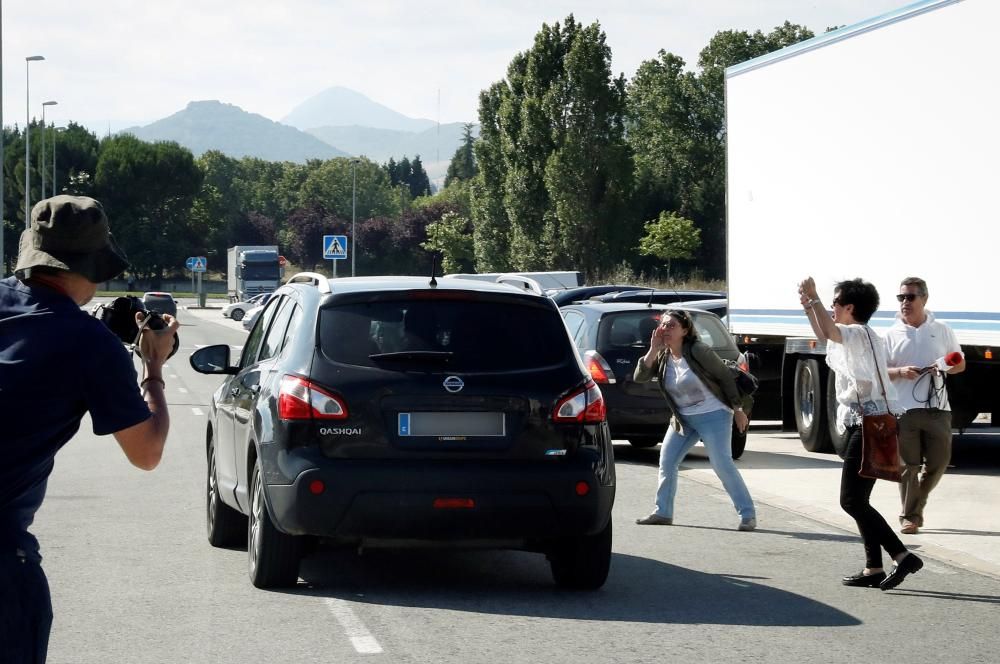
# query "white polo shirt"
(920, 347)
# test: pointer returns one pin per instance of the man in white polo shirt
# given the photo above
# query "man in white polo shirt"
(919, 347)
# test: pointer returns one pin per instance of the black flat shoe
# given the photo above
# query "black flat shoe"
(908, 565)
(862, 580)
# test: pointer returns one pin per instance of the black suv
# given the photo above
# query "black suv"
(611, 337)
(401, 411)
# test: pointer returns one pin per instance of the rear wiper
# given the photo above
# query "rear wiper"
(432, 356)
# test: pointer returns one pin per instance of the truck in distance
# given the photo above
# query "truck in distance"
(252, 270)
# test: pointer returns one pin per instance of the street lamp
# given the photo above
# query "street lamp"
(354, 200)
(27, 136)
(41, 160)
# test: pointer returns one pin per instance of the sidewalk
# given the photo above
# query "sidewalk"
(962, 522)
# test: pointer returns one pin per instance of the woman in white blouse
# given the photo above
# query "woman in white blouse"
(858, 356)
(703, 401)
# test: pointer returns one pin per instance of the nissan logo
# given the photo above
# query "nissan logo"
(453, 384)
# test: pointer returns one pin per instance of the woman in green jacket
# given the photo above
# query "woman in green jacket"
(704, 402)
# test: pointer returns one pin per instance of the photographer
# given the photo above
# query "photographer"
(58, 363)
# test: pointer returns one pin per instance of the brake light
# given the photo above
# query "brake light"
(299, 399)
(585, 405)
(598, 367)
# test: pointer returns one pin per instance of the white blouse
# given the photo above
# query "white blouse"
(857, 384)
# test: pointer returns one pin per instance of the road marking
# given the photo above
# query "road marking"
(173, 375)
(197, 411)
(182, 390)
(360, 637)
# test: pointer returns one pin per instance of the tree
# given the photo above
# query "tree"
(668, 237)
(450, 237)
(463, 162)
(555, 172)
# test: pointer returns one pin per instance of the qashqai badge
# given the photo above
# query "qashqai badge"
(453, 384)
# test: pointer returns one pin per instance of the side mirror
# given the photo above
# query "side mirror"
(213, 360)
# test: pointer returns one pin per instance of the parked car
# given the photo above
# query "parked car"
(611, 337)
(662, 296)
(580, 293)
(404, 410)
(251, 317)
(237, 310)
(163, 303)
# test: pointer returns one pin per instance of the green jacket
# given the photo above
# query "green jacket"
(707, 366)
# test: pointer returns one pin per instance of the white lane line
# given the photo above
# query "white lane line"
(197, 411)
(182, 390)
(360, 637)
(172, 376)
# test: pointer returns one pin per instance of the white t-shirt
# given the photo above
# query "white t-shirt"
(920, 347)
(857, 383)
(688, 392)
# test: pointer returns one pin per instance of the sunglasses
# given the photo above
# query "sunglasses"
(907, 297)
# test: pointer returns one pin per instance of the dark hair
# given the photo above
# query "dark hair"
(861, 294)
(920, 284)
(684, 318)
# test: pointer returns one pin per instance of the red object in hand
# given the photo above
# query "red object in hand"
(953, 359)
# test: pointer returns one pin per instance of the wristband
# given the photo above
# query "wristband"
(155, 379)
(810, 303)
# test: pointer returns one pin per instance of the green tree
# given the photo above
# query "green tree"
(555, 171)
(670, 237)
(450, 237)
(463, 162)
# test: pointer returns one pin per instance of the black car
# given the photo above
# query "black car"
(612, 337)
(406, 411)
(648, 296)
(580, 293)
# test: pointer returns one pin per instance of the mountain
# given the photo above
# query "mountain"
(343, 107)
(434, 144)
(212, 125)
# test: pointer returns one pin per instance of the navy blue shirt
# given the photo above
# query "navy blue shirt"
(56, 364)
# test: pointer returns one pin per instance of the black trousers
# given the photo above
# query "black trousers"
(25, 610)
(855, 493)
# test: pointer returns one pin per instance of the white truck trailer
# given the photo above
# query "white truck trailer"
(871, 152)
(252, 270)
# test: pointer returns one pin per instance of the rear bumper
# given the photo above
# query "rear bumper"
(630, 415)
(395, 500)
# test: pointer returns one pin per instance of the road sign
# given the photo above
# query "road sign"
(196, 263)
(335, 247)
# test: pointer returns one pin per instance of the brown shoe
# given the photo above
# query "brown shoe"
(909, 528)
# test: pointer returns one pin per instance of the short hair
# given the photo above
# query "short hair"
(685, 321)
(915, 281)
(861, 294)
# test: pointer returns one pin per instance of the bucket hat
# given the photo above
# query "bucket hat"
(70, 233)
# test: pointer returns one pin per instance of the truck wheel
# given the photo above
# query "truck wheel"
(810, 413)
(838, 433)
(226, 526)
(582, 563)
(273, 555)
(739, 441)
(237, 315)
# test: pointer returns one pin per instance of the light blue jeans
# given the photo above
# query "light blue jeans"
(714, 429)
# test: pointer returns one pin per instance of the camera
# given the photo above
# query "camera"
(119, 316)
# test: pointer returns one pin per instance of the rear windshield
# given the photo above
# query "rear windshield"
(458, 335)
(632, 329)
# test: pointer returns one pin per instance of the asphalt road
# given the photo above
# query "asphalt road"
(134, 579)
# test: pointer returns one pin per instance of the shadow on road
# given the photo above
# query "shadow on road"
(518, 583)
(962, 597)
(626, 454)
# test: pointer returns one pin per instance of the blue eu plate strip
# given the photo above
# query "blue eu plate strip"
(404, 424)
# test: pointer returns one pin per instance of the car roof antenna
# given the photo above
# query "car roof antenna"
(433, 283)
(649, 305)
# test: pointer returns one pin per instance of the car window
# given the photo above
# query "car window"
(574, 323)
(626, 330)
(253, 342)
(473, 335)
(712, 332)
(276, 335)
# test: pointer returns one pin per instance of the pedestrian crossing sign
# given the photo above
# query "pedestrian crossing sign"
(335, 247)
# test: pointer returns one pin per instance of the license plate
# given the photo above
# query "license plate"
(439, 424)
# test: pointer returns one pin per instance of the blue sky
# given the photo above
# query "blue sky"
(116, 63)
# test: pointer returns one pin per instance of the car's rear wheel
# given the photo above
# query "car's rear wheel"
(582, 563)
(237, 315)
(644, 441)
(273, 555)
(226, 526)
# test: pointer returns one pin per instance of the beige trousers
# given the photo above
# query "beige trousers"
(925, 448)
